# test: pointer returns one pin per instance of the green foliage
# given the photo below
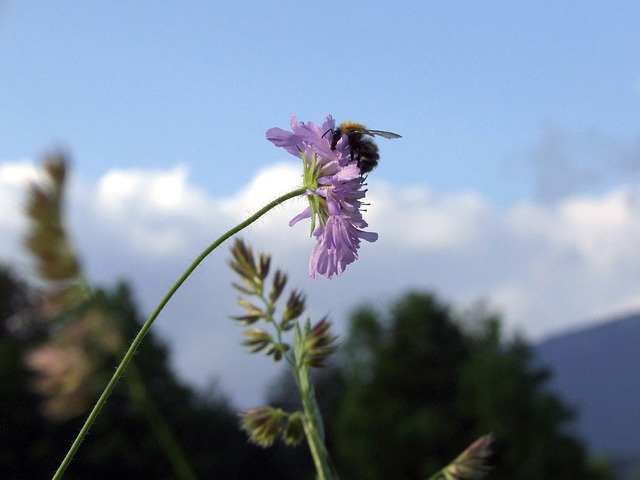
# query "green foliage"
(23, 436)
(419, 388)
(398, 416)
(504, 394)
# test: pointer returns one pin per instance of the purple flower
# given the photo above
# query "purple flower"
(334, 190)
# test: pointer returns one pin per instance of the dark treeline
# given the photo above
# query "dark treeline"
(415, 385)
(411, 388)
(121, 443)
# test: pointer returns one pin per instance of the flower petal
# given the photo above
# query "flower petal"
(334, 188)
(287, 140)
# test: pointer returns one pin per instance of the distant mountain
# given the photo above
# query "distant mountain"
(597, 371)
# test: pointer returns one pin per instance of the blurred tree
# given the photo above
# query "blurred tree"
(23, 435)
(398, 416)
(504, 393)
(121, 443)
(419, 388)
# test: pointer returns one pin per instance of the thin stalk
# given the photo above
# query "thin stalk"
(313, 427)
(147, 325)
(315, 437)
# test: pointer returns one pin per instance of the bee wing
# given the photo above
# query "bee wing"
(383, 134)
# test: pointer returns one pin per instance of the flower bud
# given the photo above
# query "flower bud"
(318, 344)
(257, 339)
(277, 286)
(293, 432)
(294, 308)
(472, 463)
(263, 424)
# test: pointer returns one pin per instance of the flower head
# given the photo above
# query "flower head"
(334, 190)
(472, 463)
(263, 424)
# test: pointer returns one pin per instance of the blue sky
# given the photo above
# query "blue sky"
(472, 87)
(516, 182)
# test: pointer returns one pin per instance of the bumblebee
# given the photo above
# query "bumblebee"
(363, 149)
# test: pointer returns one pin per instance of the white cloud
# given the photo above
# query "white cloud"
(151, 208)
(15, 178)
(546, 268)
(449, 223)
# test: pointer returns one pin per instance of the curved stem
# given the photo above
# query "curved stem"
(147, 325)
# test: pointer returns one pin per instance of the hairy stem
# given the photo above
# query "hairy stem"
(147, 325)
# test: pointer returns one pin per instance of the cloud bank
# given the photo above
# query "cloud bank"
(544, 267)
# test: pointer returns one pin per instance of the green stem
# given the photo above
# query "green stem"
(314, 434)
(276, 325)
(313, 427)
(147, 325)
